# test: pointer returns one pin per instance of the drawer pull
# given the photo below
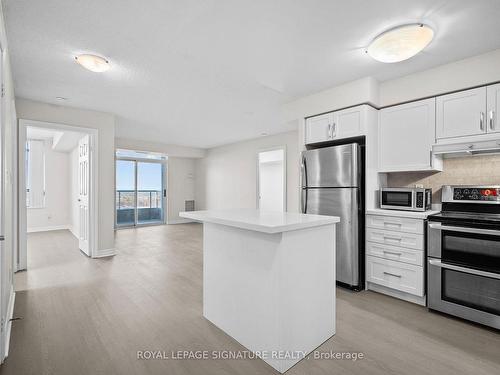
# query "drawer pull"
(391, 252)
(393, 238)
(392, 274)
(394, 224)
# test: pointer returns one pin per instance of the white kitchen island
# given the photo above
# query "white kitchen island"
(269, 280)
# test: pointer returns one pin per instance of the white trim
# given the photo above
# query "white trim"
(21, 256)
(73, 232)
(8, 323)
(104, 253)
(49, 228)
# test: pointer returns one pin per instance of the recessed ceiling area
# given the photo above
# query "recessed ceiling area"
(61, 140)
(204, 73)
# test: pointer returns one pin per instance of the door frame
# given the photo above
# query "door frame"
(282, 147)
(164, 164)
(22, 249)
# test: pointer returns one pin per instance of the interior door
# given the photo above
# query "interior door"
(342, 202)
(83, 196)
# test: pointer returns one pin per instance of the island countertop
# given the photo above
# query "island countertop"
(260, 221)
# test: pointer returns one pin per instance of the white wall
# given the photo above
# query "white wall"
(181, 185)
(56, 212)
(8, 149)
(105, 125)
(227, 176)
(473, 71)
(363, 90)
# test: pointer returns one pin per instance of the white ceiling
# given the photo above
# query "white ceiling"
(203, 73)
(62, 140)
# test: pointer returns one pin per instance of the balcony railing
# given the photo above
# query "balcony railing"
(149, 206)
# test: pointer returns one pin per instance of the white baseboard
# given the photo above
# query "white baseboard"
(8, 325)
(49, 228)
(73, 232)
(104, 253)
(180, 221)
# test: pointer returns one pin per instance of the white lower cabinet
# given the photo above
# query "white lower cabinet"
(395, 257)
(397, 275)
(399, 254)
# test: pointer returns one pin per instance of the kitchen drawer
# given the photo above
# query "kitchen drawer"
(396, 253)
(399, 224)
(396, 275)
(400, 239)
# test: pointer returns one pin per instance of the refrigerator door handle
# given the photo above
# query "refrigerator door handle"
(304, 185)
(304, 200)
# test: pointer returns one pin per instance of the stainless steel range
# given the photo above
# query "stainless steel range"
(463, 277)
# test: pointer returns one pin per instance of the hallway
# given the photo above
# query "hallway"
(84, 316)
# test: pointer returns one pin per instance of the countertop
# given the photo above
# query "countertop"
(401, 213)
(260, 221)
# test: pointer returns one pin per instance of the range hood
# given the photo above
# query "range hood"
(460, 149)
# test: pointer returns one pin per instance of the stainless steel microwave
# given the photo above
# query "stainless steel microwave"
(408, 199)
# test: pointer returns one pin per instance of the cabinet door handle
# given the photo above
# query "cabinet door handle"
(392, 274)
(329, 131)
(334, 130)
(492, 122)
(481, 120)
(391, 252)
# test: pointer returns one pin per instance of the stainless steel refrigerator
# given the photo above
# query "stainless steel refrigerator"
(332, 184)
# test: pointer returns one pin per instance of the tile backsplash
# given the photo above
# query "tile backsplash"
(471, 170)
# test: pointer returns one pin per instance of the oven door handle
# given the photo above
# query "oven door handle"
(440, 226)
(438, 263)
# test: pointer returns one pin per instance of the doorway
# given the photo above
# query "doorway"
(271, 179)
(140, 188)
(57, 183)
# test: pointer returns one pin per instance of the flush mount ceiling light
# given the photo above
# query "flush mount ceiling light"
(400, 43)
(93, 63)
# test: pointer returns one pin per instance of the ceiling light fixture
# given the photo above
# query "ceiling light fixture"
(400, 43)
(96, 64)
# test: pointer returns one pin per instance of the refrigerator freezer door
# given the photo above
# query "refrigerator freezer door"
(342, 202)
(336, 166)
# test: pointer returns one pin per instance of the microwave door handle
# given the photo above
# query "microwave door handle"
(472, 271)
(440, 226)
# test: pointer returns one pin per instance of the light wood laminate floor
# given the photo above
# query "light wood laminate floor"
(85, 316)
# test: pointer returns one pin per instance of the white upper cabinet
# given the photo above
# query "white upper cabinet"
(406, 136)
(461, 114)
(345, 123)
(319, 128)
(493, 108)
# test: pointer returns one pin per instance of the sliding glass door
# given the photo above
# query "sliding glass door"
(140, 192)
